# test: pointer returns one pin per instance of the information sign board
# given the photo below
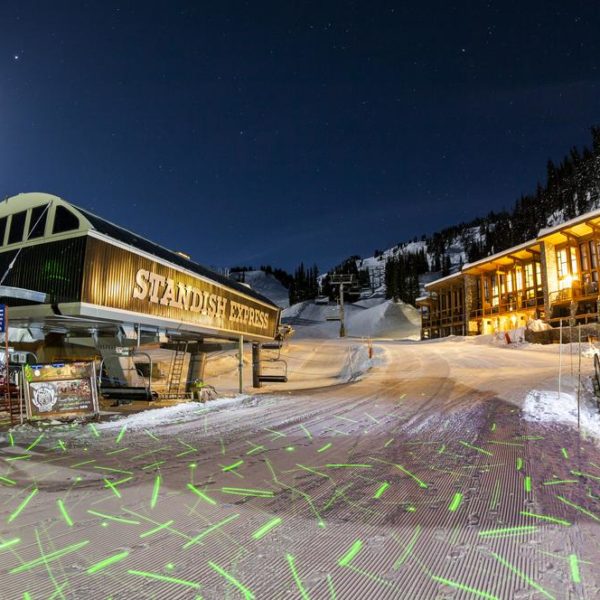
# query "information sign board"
(60, 390)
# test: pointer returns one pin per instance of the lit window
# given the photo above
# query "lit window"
(562, 263)
(574, 266)
(519, 278)
(593, 255)
(585, 263)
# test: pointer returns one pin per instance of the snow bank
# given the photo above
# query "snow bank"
(538, 325)
(386, 320)
(370, 301)
(358, 362)
(186, 411)
(546, 407)
(590, 351)
(516, 338)
(376, 318)
(294, 310)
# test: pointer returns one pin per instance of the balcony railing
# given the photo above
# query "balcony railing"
(508, 304)
(576, 292)
(443, 318)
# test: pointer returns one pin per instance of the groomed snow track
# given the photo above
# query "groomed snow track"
(409, 484)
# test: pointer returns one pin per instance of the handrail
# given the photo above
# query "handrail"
(574, 293)
(507, 307)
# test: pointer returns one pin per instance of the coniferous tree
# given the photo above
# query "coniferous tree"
(571, 187)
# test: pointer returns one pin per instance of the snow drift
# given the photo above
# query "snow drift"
(546, 406)
(383, 319)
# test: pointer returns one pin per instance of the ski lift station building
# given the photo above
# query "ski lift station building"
(73, 280)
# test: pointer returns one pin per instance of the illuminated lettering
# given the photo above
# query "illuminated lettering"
(184, 295)
(168, 298)
(155, 282)
(196, 305)
(168, 292)
(140, 289)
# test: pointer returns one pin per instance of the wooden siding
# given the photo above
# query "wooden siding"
(54, 268)
(110, 279)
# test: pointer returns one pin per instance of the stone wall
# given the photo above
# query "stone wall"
(552, 336)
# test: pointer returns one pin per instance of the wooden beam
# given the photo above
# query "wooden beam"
(595, 228)
(517, 259)
(531, 251)
(570, 236)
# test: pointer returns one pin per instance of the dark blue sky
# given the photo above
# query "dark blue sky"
(274, 132)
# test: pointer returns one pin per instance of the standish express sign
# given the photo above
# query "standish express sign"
(158, 289)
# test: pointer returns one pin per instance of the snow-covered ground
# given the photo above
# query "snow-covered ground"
(547, 406)
(418, 478)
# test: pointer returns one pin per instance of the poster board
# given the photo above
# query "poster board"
(58, 390)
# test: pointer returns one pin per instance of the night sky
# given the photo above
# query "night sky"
(274, 132)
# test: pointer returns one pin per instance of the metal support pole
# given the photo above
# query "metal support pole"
(579, 386)
(255, 365)
(21, 380)
(572, 321)
(241, 364)
(560, 359)
(342, 326)
(10, 410)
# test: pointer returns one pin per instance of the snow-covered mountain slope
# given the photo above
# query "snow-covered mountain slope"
(571, 189)
(384, 319)
(456, 253)
(267, 285)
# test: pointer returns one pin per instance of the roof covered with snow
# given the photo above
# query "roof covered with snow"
(593, 215)
(523, 249)
(442, 280)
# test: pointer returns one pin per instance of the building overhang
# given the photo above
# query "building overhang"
(83, 319)
(579, 227)
(444, 282)
(504, 260)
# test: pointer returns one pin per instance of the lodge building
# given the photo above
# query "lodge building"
(554, 277)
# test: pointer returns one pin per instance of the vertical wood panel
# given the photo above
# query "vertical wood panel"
(110, 277)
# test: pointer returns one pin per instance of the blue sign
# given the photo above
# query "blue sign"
(2, 318)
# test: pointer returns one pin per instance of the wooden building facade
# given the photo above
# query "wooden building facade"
(443, 308)
(505, 290)
(571, 262)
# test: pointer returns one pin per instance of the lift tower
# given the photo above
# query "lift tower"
(342, 280)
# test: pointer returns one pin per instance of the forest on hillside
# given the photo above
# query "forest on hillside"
(571, 188)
